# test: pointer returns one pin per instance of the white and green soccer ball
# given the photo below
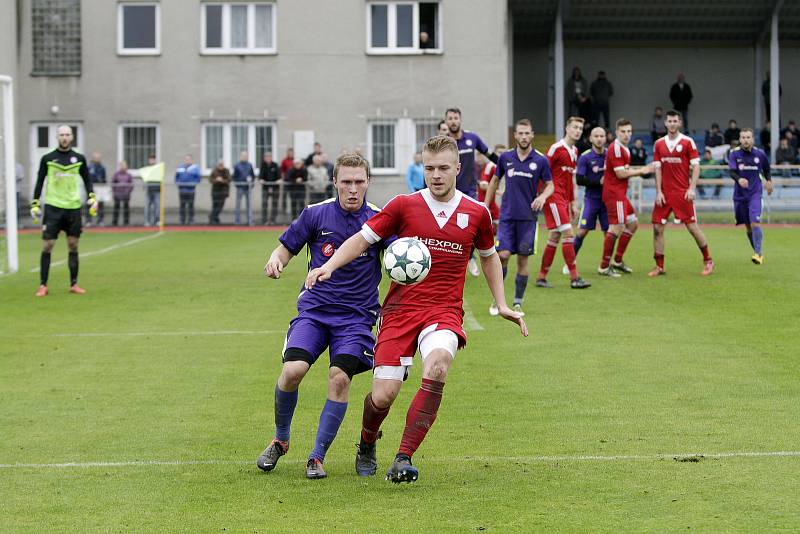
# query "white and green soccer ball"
(407, 261)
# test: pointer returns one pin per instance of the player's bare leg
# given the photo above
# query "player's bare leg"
(627, 234)
(702, 244)
(285, 402)
(520, 283)
(547, 258)
(72, 245)
(421, 413)
(609, 241)
(44, 266)
(376, 407)
(658, 250)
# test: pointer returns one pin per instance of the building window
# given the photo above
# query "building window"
(381, 146)
(424, 129)
(137, 142)
(238, 28)
(225, 141)
(403, 28)
(56, 37)
(139, 29)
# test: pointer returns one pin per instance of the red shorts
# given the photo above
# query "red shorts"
(556, 215)
(675, 203)
(620, 210)
(398, 333)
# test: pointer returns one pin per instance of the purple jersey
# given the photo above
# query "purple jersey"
(591, 166)
(351, 294)
(751, 165)
(466, 181)
(523, 180)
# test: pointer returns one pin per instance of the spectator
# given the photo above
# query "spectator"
(152, 185)
(609, 137)
(764, 137)
(714, 137)
(791, 128)
(732, 133)
(317, 152)
(657, 127)
(765, 92)
(442, 129)
(330, 167)
(602, 91)
(785, 155)
(243, 176)
(297, 178)
(681, 96)
(121, 188)
(97, 174)
(220, 179)
(709, 174)
(318, 179)
(286, 163)
(187, 176)
(586, 111)
(577, 86)
(415, 179)
(425, 40)
(269, 175)
(639, 155)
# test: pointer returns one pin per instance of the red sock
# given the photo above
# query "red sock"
(704, 250)
(622, 245)
(659, 259)
(568, 250)
(547, 259)
(371, 420)
(421, 415)
(608, 249)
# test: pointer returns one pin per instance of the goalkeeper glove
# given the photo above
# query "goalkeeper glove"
(36, 211)
(92, 202)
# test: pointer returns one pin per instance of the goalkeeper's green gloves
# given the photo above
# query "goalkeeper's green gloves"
(92, 203)
(36, 211)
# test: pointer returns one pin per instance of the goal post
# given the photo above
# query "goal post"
(8, 174)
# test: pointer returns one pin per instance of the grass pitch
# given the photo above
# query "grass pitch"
(632, 406)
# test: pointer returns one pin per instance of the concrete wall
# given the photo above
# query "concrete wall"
(321, 79)
(722, 80)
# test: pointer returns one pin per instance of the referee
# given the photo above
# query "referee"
(64, 169)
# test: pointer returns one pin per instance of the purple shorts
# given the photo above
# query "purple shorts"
(313, 336)
(594, 209)
(747, 210)
(518, 237)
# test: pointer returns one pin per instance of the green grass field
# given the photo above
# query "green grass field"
(631, 407)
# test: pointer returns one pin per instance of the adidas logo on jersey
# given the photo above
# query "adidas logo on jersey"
(442, 214)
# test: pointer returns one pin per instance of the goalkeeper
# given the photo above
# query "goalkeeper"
(64, 168)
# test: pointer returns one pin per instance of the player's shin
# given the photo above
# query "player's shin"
(421, 415)
(44, 268)
(622, 246)
(285, 403)
(608, 249)
(758, 239)
(329, 422)
(372, 419)
(547, 258)
(73, 268)
(520, 284)
(578, 243)
(750, 239)
(568, 251)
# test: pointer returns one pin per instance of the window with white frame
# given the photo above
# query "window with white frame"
(226, 140)
(138, 28)
(381, 145)
(234, 28)
(403, 27)
(137, 142)
(424, 129)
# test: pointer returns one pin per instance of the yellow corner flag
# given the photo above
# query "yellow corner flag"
(152, 173)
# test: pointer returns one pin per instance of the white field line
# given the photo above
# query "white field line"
(153, 334)
(107, 249)
(471, 324)
(529, 459)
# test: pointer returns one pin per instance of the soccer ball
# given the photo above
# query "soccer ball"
(407, 261)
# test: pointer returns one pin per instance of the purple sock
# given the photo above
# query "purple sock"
(505, 272)
(520, 283)
(329, 421)
(577, 243)
(758, 238)
(285, 402)
(750, 238)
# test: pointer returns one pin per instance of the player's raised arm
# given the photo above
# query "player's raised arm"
(350, 250)
(277, 261)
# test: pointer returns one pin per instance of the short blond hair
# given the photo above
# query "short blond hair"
(352, 160)
(441, 143)
(575, 119)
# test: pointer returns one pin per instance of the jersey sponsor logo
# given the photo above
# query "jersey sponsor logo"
(442, 245)
(466, 151)
(462, 220)
(533, 166)
(743, 167)
(511, 173)
(671, 159)
(597, 168)
(519, 173)
(327, 249)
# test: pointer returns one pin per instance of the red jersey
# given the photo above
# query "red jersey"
(617, 159)
(286, 166)
(486, 176)
(449, 229)
(674, 158)
(563, 159)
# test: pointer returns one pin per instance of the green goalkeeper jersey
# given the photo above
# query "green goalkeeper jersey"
(64, 170)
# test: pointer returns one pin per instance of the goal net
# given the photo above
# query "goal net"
(9, 259)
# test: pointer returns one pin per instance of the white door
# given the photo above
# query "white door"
(44, 138)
